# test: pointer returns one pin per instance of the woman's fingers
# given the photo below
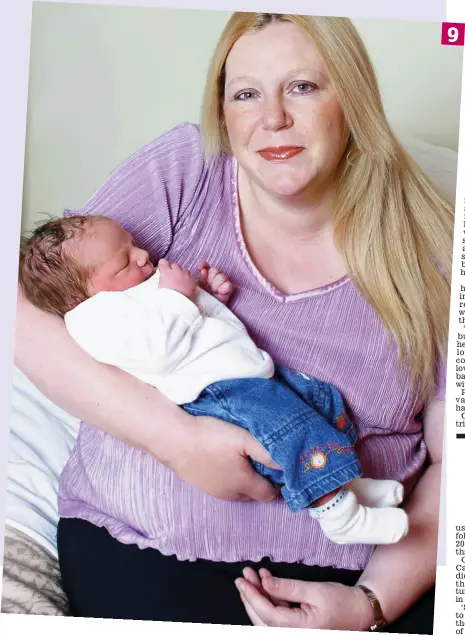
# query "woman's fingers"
(254, 597)
(251, 576)
(257, 452)
(263, 573)
(260, 606)
(259, 488)
(255, 619)
(285, 589)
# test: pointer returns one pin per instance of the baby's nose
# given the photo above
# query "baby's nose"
(142, 257)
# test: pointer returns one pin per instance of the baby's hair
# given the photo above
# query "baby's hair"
(49, 275)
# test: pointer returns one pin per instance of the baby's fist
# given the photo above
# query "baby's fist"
(177, 278)
(215, 282)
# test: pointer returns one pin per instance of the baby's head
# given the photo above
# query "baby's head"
(65, 261)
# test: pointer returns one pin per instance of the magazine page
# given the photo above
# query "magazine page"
(234, 321)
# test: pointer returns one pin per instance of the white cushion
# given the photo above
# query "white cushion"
(41, 439)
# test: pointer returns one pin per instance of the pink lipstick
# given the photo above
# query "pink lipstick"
(280, 153)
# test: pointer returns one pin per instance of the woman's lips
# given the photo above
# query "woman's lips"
(280, 153)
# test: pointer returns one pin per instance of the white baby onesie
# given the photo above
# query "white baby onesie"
(166, 340)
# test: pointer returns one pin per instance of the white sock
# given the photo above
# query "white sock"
(377, 493)
(344, 520)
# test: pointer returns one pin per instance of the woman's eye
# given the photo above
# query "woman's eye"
(244, 95)
(302, 88)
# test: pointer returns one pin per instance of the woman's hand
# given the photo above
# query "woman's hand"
(268, 600)
(213, 456)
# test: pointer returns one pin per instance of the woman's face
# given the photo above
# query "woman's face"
(284, 122)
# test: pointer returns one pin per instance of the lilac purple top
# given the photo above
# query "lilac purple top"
(177, 206)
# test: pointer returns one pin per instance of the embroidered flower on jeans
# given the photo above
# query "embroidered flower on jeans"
(318, 460)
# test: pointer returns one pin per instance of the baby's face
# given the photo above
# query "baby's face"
(116, 261)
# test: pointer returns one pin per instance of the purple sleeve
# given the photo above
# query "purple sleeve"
(151, 192)
(441, 381)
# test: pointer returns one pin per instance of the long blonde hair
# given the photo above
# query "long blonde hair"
(392, 226)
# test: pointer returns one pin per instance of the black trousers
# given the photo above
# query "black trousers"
(104, 578)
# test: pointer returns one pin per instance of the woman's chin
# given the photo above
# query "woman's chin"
(285, 189)
(284, 183)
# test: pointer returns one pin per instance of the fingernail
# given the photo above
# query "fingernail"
(239, 585)
(271, 581)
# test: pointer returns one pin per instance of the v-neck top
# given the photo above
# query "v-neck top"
(272, 289)
(178, 206)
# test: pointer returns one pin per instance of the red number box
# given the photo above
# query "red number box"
(453, 34)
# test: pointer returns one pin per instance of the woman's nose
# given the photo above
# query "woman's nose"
(275, 115)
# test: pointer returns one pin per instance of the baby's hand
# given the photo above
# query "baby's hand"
(215, 282)
(173, 276)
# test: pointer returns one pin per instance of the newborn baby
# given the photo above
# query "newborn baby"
(177, 335)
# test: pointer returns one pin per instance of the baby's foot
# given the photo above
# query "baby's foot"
(377, 493)
(343, 520)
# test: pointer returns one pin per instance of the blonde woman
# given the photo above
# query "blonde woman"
(340, 250)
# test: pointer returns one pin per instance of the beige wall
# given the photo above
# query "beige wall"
(105, 80)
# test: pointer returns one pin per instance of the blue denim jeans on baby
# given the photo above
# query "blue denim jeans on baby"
(300, 421)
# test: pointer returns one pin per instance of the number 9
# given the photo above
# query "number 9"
(453, 34)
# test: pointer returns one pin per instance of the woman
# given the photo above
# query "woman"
(341, 253)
